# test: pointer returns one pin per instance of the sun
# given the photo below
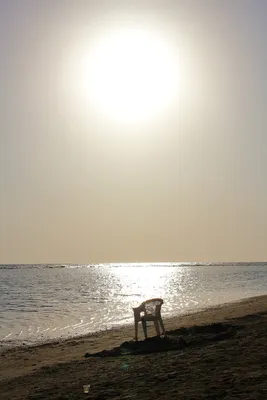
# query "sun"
(127, 75)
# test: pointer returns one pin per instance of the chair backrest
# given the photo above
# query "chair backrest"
(152, 306)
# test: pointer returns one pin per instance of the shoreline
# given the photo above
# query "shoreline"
(224, 357)
(169, 319)
(96, 341)
(127, 327)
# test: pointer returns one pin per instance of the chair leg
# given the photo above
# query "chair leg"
(162, 326)
(144, 328)
(136, 331)
(156, 324)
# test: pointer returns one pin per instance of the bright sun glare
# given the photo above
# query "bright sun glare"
(127, 75)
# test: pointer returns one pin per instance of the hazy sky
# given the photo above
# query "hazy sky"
(189, 184)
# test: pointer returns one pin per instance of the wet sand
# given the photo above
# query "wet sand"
(220, 353)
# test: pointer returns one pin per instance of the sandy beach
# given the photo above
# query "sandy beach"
(219, 353)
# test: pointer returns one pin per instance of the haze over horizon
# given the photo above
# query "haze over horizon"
(133, 131)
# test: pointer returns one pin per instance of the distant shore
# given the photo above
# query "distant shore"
(235, 361)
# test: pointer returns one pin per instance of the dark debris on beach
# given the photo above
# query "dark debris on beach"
(174, 340)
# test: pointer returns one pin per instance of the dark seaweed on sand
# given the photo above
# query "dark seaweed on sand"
(175, 340)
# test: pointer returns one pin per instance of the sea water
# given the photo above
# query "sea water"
(45, 302)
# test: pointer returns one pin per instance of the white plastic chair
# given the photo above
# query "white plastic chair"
(149, 310)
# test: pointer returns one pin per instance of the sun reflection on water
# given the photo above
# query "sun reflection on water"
(141, 283)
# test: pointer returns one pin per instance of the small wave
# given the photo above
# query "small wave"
(98, 298)
(31, 266)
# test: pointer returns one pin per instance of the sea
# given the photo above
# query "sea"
(40, 303)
